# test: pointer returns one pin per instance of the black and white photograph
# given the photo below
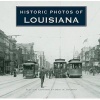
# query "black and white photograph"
(50, 49)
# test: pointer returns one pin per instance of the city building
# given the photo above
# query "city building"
(90, 57)
(2, 51)
(10, 54)
(40, 58)
(7, 53)
(25, 52)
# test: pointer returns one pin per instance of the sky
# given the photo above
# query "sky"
(48, 39)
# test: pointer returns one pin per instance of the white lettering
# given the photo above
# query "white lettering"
(42, 20)
(25, 20)
(33, 20)
(51, 20)
(75, 20)
(69, 20)
(61, 20)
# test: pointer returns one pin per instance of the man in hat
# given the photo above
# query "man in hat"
(42, 75)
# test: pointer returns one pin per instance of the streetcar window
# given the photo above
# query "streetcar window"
(55, 67)
(80, 66)
(76, 66)
(71, 66)
(28, 67)
(64, 66)
(32, 67)
(59, 65)
(55, 64)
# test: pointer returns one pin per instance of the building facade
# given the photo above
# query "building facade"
(7, 52)
(90, 57)
(2, 52)
(25, 52)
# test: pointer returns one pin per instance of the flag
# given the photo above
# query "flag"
(85, 40)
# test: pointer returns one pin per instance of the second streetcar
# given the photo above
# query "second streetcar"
(60, 68)
(74, 68)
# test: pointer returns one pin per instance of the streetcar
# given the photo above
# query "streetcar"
(74, 68)
(60, 68)
(30, 69)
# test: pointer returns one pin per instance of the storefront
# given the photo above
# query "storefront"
(7, 66)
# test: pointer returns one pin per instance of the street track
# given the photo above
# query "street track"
(87, 87)
(4, 81)
(29, 88)
(18, 89)
(92, 77)
(32, 90)
(27, 93)
(47, 96)
(11, 83)
(70, 88)
(91, 83)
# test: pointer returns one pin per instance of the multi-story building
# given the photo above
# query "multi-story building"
(19, 56)
(25, 52)
(40, 58)
(8, 54)
(47, 65)
(83, 54)
(12, 51)
(2, 51)
(90, 57)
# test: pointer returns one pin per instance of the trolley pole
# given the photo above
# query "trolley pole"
(60, 49)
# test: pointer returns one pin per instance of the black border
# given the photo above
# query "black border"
(53, 25)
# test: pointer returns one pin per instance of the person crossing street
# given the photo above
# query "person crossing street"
(42, 76)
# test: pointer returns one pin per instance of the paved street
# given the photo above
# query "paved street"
(16, 87)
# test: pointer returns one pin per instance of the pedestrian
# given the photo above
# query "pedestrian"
(15, 73)
(90, 70)
(42, 76)
(94, 71)
(49, 74)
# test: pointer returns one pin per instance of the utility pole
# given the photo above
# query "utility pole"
(73, 52)
(60, 43)
(60, 49)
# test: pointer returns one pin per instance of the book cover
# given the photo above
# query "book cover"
(49, 49)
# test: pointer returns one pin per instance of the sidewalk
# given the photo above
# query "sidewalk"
(90, 75)
(10, 77)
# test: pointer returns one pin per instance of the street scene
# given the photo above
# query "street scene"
(49, 62)
(86, 87)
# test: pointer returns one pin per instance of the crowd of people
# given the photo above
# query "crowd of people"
(92, 71)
